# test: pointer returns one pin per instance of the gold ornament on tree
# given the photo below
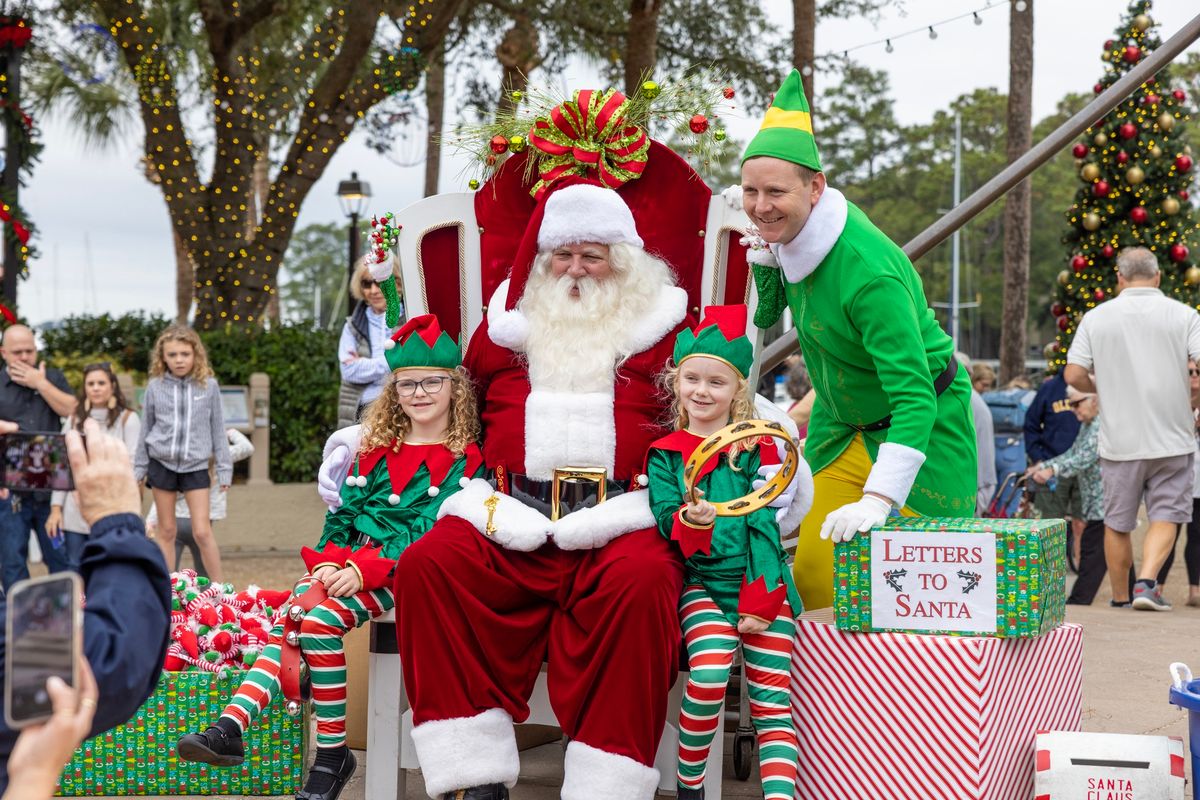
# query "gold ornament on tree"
(1064, 278)
(1165, 121)
(1091, 221)
(1142, 22)
(1156, 151)
(1100, 139)
(1170, 206)
(1192, 276)
(1089, 172)
(1135, 175)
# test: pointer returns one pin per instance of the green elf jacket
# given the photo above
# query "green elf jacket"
(873, 348)
(739, 561)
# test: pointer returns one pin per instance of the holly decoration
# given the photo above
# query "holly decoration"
(1135, 169)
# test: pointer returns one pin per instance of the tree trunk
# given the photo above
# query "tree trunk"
(435, 111)
(641, 45)
(1018, 202)
(185, 279)
(518, 54)
(804, 41)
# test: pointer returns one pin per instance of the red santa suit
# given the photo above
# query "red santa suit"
(496, 588)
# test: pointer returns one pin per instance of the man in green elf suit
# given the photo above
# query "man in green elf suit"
(891, 427)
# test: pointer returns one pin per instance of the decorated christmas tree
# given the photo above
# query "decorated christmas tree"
(1136, 168)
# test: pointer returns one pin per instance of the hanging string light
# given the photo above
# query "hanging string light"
(930, 30)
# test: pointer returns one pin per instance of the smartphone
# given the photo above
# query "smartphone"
(36, 462)
(45, 632)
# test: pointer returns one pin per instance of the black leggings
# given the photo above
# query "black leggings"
(1191, 550)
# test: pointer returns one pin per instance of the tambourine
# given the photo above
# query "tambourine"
(749, 429)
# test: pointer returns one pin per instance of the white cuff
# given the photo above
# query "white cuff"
(467, 751)
(894, 472)
(592, 774)
(594, 527)
(516, 525)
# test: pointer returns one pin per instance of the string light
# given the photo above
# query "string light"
(930, 30)
(932, 33)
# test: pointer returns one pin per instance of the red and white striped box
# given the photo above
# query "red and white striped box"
(896, 716)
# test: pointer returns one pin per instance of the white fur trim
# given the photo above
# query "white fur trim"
(518, 527)
(507, 328)
(802, 500)
(589, 528)
(592, 774)
(568, 429)
(463, 752)
(380, 270)
(585, 213)
(820, 233)
(670, 307)
(894, 472)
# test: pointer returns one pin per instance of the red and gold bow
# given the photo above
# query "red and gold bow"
(588, 136)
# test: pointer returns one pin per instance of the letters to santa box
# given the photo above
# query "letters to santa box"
(974, 577)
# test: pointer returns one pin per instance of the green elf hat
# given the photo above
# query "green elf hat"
(422, 343)
(787, 131)
(720, 335)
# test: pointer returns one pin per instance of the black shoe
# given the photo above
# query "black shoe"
(214, 746)
(492, 791)
(687, 793)
(320, 775)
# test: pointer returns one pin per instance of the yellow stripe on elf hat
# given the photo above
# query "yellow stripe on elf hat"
(422, 343)
(786, 132)
(720, 335)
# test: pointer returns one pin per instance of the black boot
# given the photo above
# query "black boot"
(328, 774)
(492, 791)
(219, 745)
(687, 793)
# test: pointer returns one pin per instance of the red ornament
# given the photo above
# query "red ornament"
(1080, 150)
(1152, 99)
(1101, 188)
(1183, 163)
(1107, 251)
(1063, 322)
(1127, 130)
(1098, 88)
(728, 92)
(499, 144)
(1108, 44)
(490, 160)
(1122, 157)
(698, 123)
(1177, 253)
(1183, 194)
(1138, 215)
(1098, 294)
(1132, 54)
(1179, 94)
(1079, 263)
(1057, 309)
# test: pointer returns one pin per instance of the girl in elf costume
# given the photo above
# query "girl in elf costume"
(737, 584)
(418, 448)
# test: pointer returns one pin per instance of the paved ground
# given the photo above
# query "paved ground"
(1126, 653)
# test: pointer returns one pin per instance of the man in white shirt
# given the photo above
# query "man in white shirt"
(1138, 344)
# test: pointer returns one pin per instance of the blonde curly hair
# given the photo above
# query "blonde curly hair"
(740, 410)
(385, 420)
(201, 371)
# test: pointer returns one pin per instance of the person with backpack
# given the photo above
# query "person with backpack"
(1009, 405)
(1050, 429)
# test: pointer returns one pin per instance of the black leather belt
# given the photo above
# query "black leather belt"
(573, 495)
(940, 384)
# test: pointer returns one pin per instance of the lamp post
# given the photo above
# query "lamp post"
(353, 196)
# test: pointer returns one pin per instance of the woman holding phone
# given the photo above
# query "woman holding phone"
(100, 399)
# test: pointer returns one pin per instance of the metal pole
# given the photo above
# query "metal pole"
(954, 242)
(774, 353)
(353, 261)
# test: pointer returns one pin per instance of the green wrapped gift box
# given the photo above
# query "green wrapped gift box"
(972, 577)
(138, 758)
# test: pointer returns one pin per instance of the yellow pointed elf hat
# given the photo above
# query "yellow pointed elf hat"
(787, 131)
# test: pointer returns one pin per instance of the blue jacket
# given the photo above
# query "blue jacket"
(1050, 425)
(126, 623)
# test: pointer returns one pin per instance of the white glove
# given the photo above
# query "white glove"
(852, 518)
(349, 437)
(784, 501)
(733, 197)
(332, 475)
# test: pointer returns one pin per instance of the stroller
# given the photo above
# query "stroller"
(1014, 487)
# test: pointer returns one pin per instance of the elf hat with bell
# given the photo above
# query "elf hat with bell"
(786, 132)
(721, 334)
(422, 344)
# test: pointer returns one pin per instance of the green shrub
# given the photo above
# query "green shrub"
(127, 340)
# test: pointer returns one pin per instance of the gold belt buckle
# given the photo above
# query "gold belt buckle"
(597, 475)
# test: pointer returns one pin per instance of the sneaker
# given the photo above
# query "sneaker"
(214, 746)
(1149, 599)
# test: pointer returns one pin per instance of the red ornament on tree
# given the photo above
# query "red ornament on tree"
(1179, 94)
(1122, 157)
(1152, 99)
(1127, 130)
(1098, 294)
(728, 92)
(1098, 88)
(1132, 54)
(1107, 251)
(1080, 150)
(499, 144)
(1057, 309)
(1108, 44)
(1063, 322)
(1183, 194)
(1100, 188)
(698, 123)
(1177, 253)
(1138, 215)
(1079, 263)
(1183, 163)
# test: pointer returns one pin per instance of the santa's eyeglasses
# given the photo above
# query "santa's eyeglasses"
(407, 387)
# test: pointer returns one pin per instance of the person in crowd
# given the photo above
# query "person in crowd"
(103, 401)
(799, 388)
(1051, 426)
(36, 398)
(738, 586)
(1138, 344)
(418, 449)
(983, 378)
(1191, 550)
(127, 615)
(360, 349)
(1081, 461)
(183, 429)
(985, 441)
(240, 448)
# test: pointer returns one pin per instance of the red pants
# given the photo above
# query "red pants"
(476, 621)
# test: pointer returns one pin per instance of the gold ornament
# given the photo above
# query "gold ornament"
(1091, 221)
(473, 184)
(517, 95)
(1100, 139)
(1165, 121)
(651, 89)
(1142, 22)
(1064, 278)
(1170, 206)
(1192, 276)
(516, 143)
(1049, 350)
(1156, 152)
(1089, 172)
(1135, 175)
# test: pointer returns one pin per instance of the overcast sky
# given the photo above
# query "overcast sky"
(105, 241)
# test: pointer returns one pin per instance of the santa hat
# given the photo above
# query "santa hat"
(572, 210)
(422, 343)
(721, 334)
(786, 132)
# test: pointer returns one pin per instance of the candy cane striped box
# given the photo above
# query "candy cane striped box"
(896, 716)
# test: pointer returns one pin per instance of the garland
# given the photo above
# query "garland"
(15, 33)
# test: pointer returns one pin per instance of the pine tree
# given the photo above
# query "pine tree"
(1136, 168)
